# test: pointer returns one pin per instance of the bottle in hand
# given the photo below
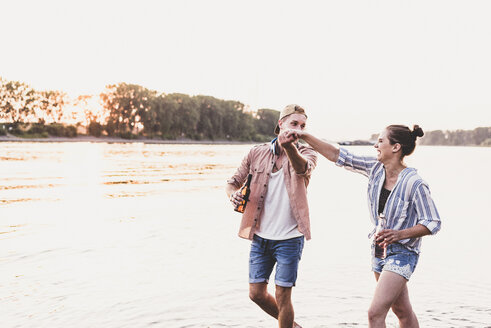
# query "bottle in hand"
(380, 252)
(245, 192)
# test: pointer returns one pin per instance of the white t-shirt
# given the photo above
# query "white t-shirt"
(277, 220)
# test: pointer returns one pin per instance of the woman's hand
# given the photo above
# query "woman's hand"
(299, 133)
(387, 237)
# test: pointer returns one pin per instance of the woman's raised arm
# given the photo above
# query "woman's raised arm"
(329, 151)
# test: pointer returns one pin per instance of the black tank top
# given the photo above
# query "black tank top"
(384, 194)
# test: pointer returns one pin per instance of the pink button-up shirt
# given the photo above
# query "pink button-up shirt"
(259, 162)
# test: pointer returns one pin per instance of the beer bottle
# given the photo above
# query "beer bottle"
(380, 252)
(244, 191)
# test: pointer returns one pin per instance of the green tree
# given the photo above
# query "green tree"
(481, 134)
(184, 115)
(126, 104)
(51, 105)
(434, 138)
(165, 112)
(245, 122)
(486, 143)
(95, 129)
(211, 111)
(233, 123)
(17, 101)
(267, 120)
(151, 118)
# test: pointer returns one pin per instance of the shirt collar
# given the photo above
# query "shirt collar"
(274, 147)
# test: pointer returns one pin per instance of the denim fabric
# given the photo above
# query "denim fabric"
(399, 260)
(266, 253)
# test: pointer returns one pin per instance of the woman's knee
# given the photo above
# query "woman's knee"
(402, 311)
(372, 314)
(376, 313)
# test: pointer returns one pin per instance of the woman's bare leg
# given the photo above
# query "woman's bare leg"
(389, 287)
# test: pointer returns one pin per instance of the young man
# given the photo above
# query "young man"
(276, 217)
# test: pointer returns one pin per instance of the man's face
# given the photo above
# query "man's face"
(293, 122)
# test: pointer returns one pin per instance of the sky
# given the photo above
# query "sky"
(355, 66)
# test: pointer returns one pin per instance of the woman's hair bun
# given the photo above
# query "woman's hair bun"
(417, 131)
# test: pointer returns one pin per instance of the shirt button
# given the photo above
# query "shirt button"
(265, 185)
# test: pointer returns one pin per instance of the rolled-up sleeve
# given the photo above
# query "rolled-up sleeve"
(359, 164)
(311, 156)
(425, 207)
(240, 175)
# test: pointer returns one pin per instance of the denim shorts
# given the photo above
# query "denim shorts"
(399, 260)
(265, 253)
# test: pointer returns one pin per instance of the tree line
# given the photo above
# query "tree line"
(478, 137)
(130, 111)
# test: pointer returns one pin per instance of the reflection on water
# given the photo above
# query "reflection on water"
(27, 186)
(136, 235)
(114, 166)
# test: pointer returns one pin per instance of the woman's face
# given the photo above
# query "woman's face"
(384, 149)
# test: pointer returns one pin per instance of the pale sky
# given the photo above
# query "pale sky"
(356, 66)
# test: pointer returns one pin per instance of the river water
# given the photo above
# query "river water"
(142, 235)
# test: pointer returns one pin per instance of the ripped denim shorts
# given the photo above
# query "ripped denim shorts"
(399, 260)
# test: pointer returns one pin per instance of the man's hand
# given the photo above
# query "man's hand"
(287, 138)
(236, 198)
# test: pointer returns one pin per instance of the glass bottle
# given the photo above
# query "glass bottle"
(380, 252)
(245, 192)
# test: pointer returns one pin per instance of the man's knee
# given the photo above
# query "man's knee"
(257, 295)
(283, 295)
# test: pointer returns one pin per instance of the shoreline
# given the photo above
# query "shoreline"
(109, 140)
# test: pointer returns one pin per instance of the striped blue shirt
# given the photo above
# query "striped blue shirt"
(408, 204)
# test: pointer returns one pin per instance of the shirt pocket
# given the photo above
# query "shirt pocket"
(257, 175)
(256, 170)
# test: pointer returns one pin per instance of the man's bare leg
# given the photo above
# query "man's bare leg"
(285, 307)
(258, 292)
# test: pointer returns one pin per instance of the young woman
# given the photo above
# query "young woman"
(399, 193)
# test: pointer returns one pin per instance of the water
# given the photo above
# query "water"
(135, 235)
